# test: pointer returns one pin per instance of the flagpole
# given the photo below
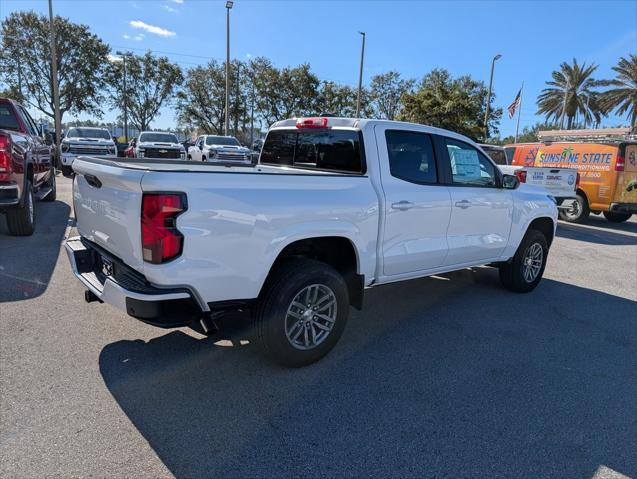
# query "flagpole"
(517, 126)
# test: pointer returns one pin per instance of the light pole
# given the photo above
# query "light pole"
(486, 113)
(227, 122)
(54, 82)
(123, 55)
(360, 77)
(568, 86)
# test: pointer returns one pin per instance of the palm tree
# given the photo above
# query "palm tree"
(570, 92)
(623, 97)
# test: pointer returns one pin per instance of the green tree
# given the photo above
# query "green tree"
(573, 86)
(150, 82)
(81, 59)
(284, 93)
(456, 104)
(201, 101)
(622, 97)
(386, 92)
(338, 100)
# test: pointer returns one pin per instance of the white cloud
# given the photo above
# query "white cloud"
(138, 38)
(162, 32)
(114, 58)
(169, 8)
(177, 1)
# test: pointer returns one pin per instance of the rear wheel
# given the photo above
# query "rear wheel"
(67, 171)
(21, 219)
(578, 212)
(302, 313)
(523, 273)
(617, 217)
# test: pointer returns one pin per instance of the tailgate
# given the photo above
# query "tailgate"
(107, 201)
(559, 181)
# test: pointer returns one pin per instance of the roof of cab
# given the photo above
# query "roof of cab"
(360, 123)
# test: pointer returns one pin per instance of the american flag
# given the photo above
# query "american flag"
(516, 103)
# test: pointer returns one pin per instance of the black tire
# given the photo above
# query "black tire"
(617, 217)
(21, 219)
(578, 213)
(512, 274)
(203, 158)
(67, 171)
(272, 315)
(51, 184)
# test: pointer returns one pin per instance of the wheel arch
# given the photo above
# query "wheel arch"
(340, 252)
(545, 225)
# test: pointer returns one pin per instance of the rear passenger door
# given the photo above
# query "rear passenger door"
(481, 213)
(417, 208)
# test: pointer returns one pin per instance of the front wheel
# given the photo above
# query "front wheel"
(578, 212)
(302, 312)
(617, 217)
(523, 273)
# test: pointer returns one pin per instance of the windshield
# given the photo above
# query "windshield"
(158, 138)
(88, 133)
(222, 140)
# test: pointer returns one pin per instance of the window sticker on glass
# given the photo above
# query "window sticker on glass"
(465, 164)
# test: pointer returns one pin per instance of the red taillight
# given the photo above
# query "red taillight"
(521, 174)
(620, 163)
(311, 123)
(5, 157)
(161, 240)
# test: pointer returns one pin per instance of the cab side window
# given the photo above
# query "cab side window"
(30, 124)
(469, 167)
(411, 156)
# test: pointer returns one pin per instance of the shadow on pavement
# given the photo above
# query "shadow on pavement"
(450, 377)
(583, 232)
(598, 221)
(27, 262)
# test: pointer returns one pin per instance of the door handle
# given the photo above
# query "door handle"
(402, 205)
(464, 204)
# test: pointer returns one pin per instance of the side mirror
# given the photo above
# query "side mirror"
(510, 182)
(48, 138)
(200, 147)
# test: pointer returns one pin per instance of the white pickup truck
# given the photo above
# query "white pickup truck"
(334, 206)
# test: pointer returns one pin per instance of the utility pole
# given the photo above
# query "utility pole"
(54, 82)
(125, 95)
(236, 102)
(360, 78)
(227, 120)
(568, 85)
(517, 126)
(252, 116)
(486, 113)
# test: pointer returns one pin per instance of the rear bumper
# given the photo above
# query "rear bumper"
(624, 208)
(114, 283)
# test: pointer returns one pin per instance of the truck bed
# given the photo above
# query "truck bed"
(184, 166)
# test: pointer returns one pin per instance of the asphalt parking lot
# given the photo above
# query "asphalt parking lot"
(449, 376)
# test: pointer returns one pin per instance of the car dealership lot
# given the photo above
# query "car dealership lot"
(444, 376)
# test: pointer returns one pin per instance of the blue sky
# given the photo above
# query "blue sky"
(409, 36)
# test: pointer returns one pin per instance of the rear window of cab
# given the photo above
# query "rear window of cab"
(321, 149)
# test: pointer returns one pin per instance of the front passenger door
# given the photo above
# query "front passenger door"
(481, 210)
